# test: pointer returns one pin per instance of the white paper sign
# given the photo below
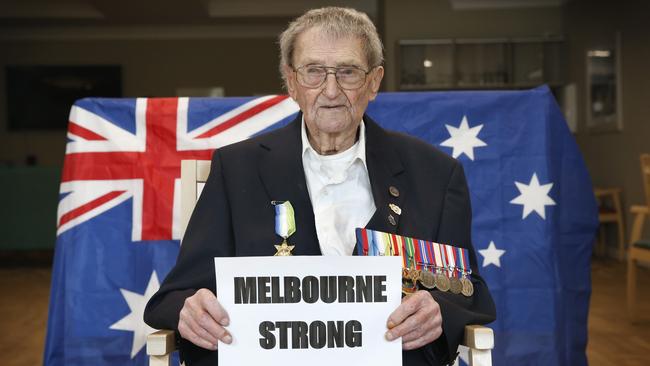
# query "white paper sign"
(309, 310)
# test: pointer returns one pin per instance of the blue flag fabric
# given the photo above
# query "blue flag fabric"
(534, 214)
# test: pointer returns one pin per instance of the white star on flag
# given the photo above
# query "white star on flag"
(534, 197)
(133, 321)
(463, 139)
(492, 255)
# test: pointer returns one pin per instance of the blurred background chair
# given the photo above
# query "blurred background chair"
(610, 211)
(162, 343)
(639, 250)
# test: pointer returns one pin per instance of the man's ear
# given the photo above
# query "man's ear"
(290, 78)
(376, 77)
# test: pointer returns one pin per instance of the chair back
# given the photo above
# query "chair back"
(194, 174)
(645, 175)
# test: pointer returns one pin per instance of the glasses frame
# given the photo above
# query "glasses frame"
(332, 70)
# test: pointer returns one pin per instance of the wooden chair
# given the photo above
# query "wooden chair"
(639, 250)
(161, 344)
(194, 173)
(610, 211)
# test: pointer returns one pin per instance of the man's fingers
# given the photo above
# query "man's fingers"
(422, 329)
(213, 307)
(423, 334)
(187, 333)
(199, 329)
(200, 318)
(408, 306)
(419, 342)
(416, 319)
(409, 325)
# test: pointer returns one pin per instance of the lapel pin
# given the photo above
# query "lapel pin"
(395, 208)
(392, 220)
(393, 191)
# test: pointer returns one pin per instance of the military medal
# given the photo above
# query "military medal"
(425, 264)
(468, 287)
(427, 279)
(408, 287)
(285, 226)
(410, 277)
(450, 265)
(454, 285)
(442, 282)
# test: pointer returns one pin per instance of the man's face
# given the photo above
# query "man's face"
(329, 109)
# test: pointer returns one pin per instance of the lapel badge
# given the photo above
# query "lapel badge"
(393, 191)
(395, 208)
(392, 220)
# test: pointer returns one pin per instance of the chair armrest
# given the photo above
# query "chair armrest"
(600, 192)
(638, 209)
(161, 343)
(637, 226)
(478, 337)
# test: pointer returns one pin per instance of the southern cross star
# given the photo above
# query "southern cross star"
(133, 321)
(463, 139)
(534, 197)
(492, 255)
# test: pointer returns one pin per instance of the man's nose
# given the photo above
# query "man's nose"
(332, 88)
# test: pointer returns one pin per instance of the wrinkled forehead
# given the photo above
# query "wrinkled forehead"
(318, 46)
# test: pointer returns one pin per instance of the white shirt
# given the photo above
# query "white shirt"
(339, 188)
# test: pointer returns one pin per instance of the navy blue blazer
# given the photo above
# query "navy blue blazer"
(234, 217)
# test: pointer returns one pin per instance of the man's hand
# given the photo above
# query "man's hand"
(417, 320)
(202, 320)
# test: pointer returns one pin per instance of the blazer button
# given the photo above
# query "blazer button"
(391, 219)
(393, 191)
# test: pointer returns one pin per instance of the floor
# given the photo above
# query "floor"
(23, 305)
(612, 339)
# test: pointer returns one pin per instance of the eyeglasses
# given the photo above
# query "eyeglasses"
(348, 77)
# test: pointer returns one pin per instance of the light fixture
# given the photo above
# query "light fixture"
(599, 53)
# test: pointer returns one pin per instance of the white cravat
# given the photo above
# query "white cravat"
(339, 188)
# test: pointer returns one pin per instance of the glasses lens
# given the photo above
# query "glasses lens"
(312, 76)
(350, 77)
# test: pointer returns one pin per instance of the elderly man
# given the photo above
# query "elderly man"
(340, 170)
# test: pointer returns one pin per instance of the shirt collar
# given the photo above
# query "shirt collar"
(360, 146)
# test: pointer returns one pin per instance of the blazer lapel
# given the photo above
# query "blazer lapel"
(388, 187)
(283, 176)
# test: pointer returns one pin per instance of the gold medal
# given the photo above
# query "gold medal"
(284, 250)
(468, 287)
(427, 279)
(455, 286)
(406, 273)
(408, 287)
(415, 275)
(442, 282)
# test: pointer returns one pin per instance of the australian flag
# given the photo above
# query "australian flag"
(534, 214)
